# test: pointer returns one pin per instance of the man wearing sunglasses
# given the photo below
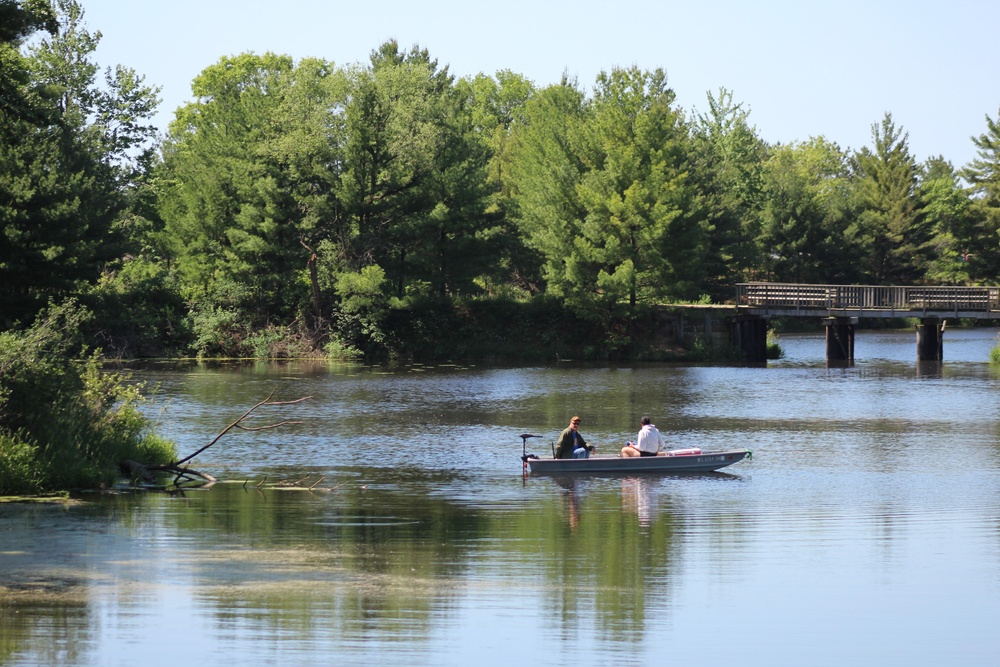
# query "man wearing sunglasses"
(571, 444)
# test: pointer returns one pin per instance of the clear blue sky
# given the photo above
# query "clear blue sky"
(804, 68)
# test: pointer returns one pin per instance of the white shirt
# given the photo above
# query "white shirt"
(649, 439)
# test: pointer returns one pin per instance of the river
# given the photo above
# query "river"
(394, 523)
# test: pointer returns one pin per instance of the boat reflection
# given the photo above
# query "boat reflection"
(570, 487)
(637, 498)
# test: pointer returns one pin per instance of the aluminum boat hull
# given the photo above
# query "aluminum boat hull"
(704, 462)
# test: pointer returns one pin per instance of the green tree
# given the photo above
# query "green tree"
(451, 247)
(20, 19)
(644, 233)
(983, 176)
(730, 160)
(497, 105)
(249, 194)
(806, 203)
(116, 115)
(542, 172)
(56, 202)
(308, 145)
(413, 182)
(228, 197)
(281, 177)
(955, 260)
(892, 228)
(65, 167)
(394, 132)
(604, 194)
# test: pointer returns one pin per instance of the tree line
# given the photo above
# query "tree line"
(295, 206)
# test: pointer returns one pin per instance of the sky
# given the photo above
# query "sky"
(803, 68)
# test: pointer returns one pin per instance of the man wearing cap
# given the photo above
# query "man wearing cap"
(571, 444)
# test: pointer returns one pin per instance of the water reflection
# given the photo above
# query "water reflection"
(637, 498)
(929, 369)
(571, 495)
(870, 508)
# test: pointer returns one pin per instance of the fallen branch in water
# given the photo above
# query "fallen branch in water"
(183, 473)
(237, 423)
(297, 485)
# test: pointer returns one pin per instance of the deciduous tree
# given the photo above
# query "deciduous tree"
(806, 195)
(228, 199)
(542, 172)
(497, 106)
(729, 158)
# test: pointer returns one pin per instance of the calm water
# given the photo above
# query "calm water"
(865, 531)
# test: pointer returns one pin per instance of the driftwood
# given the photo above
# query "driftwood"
(296, 485)
(183, 473)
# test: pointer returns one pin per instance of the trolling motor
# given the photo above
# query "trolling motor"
(524, 446)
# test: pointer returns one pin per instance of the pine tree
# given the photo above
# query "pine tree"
(892, 228)
(983, 175)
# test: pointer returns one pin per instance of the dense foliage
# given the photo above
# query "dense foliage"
(65, 424)
(73, 156)
(307, 208)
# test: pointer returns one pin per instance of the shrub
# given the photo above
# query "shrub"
(703, 349)
(139, 312)
(223, 320)
(64, 422)
(18, 466)
(220, 332)
(774, 349)
(338, 349)
(995, 352)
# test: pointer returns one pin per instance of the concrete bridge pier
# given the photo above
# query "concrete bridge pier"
(840, 338)
(930, 339)
(750, 336)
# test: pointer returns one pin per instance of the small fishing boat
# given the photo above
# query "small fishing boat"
(671, 461)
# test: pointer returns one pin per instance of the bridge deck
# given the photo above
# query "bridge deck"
(878, 301)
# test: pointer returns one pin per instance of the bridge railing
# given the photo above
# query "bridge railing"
(909, 299)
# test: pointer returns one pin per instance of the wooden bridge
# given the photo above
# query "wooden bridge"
(877, 301)
(840, 306)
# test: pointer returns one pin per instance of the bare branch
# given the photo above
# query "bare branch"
(267, 401)
(183, 473)
(264, 428)
(297, 400)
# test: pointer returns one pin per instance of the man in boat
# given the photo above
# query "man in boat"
(571, 444)
(647, 443)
